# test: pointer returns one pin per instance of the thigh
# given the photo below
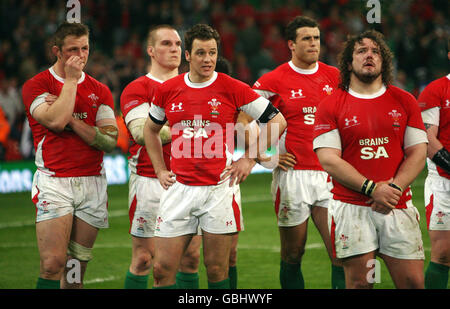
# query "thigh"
(143, 244)
(406, 274)
(53, 236)
(83, 233)
(358, 270)
(352, 230)
(320, 218)
(440, 247)
(144, 199)
(219, 214)
(169, 250)
(52, 196)
(91, 200)
(216, 248)
(176, 215)
(293, 240)
(291, 198)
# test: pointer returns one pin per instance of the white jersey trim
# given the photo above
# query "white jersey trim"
(104, 112)
(200, 85)
(448, 76)
(303, 71)
(265, 93)
(414, 136)
(374, 95)
(431, 116)
(60, 79)
(154, 78)
(140, 111)
(330, 139)
(157, 112)
(38, 101)
(255, 108)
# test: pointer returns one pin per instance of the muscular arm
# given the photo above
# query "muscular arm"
(434, 145)
(153, 145)
(412, 165)
(103, 136)
(57, 115)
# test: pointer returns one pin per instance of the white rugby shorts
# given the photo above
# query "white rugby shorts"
(294, 193)
(185, 209)
(144, 195)
(84, 197)
(437, 202)
(358, 229)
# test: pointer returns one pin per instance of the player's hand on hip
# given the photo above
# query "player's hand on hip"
(286, 160)
(166, 179)
(239, 170)
(74, 67)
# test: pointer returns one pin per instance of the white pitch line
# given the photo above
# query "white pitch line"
(99, 280)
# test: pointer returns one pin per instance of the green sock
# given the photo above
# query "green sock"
(436, 276)
(291, 276)
(337, 277)
(133, 281)
(224, 284)
(187, 280)
(47, 284)
(167, 287)
(232, 274)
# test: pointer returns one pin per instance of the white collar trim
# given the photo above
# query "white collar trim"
(448, 76)
(60, 79)
(154, 78)
(303, 71)
(374, 95)
(200, 85)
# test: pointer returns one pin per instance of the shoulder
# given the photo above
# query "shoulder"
(96, 84)
(329, 70)
(439, 84)
(41, 78)
(227, 80)
(273, 77)
(137, 86)
(400, 94)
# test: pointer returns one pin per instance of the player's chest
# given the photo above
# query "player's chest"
(304, 96)
(213, 108)
(371, 118)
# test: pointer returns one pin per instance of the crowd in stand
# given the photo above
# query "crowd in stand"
(251, 32)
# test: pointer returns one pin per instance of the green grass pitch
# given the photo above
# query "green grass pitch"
(258, 249)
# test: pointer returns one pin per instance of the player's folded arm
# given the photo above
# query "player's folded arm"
(106, 132)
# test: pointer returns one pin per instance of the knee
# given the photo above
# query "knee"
(293, 255)
(53, 266)
(216, 272)
(142, 262)
(190, 261)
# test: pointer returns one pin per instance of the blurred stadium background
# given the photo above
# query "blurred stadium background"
(252, 39)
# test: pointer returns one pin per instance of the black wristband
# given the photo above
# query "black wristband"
(393, 185)
(372, 187)
(442, 159)
(368, 187)
(364, 186)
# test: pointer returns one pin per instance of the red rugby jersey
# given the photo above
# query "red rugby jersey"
(202, 118)
(437, 94)
(65, 154)
(297, 93)
(372, 131)
(138, 92)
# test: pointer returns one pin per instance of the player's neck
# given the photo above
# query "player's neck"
(303, 65)
(365, 88)
(163, 73)
(58, 68)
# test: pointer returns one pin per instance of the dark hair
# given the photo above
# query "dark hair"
(202, 32)
(298, 22)
(152, 31)
(66, 29)
(346, 57)
(223, 66)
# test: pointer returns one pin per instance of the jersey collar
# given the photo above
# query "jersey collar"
(60, 79)
(154, 78)
(200, 85)
(303, 71)
(368, 96)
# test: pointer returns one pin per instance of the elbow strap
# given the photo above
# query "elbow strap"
(442, 159)
(105, 138)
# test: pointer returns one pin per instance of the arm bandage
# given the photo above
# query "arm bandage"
(165, 135)
(105, 138)
(136, 128)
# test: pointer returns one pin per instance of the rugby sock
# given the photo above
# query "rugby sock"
(232, 274)
(224, 284)
(187, 280)
(436, 276)
(133, 281)
(291, 276)
(47, 284)
(337, 277)
(167, 287)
